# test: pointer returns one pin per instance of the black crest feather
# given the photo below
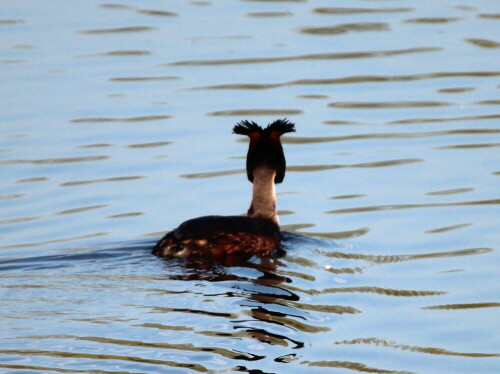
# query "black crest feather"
(246, 128)
(281, 126)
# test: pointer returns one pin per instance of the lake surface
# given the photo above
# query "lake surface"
(115, 126)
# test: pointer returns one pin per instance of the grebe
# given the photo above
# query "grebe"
(256, 233)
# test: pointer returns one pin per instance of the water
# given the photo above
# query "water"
(116, 126)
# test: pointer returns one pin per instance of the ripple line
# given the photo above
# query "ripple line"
(47, 369)
(464, 306)
(308, 57)
(346, 28)
(426, 20)
(376, 136)
(382, 291)
(107, 357)
(336, 309)
(143, 79)
(181, 347)
(345, 11)
(387, 104)
(147, 12)
(484, 43)
(352, 80)
(412, 206)
(126, 119)
(81, 209)
(118, 30)
(161, 309)
(11, 221)
(404, 347)
(308, 168)
(469, 146)
(62, 160)
(256, 112)
(355, 366)
(54, 241)
(338, 234)
(381, 259)
(104, 180)
(149, 145)
(448, 228)
(449, 119)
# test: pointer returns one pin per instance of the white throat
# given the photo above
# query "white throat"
(264, 195)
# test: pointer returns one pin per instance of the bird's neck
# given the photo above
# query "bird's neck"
(264, 195)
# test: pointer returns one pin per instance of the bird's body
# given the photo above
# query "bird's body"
(220, 236)
(258, 233)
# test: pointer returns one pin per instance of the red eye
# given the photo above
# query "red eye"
(274, 135)
(254, 135)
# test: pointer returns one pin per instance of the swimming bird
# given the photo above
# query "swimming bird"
(257, 233)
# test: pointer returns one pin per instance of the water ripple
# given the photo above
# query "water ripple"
(446, 119)
(207, 313)
(469, 146)
(383, 259)
(103, 180)
(426, 20)
(346, 28)
(180, 347)
(11, 21)
(352, 80)
(11, 221)
(464, 306)
(347, 11)
(125, 119)
(33, 179)
(387, 104)
(382, 291)
(484, 43)
(400, 135)
(143, 79)
(119, 53)
(118, 30)
(53, 241)
(450, 192)
(490, 15)
(256, 112)
(156, 13)
(149, 145)
(61, 160)
(355, 366)
(147, 12)
(308, 57)
(81, 209)
(107, 357)
(405, 347)
(448, 228)
(308, 168)
(412, 206)
(339, 235)
(270, 14)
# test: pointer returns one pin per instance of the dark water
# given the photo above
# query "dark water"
(115, 126)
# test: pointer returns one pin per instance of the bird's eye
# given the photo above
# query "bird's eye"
(176, 248)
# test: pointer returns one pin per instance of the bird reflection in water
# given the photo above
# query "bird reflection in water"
(258, 294)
